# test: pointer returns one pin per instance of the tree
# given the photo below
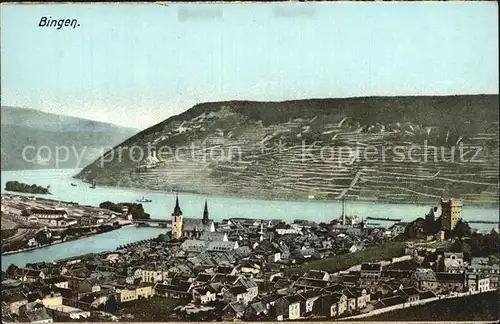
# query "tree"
(42, 238)
(111, 305)
(462, 229)
(432, 227)
(12, 268)
(492, 243)
(461, 246)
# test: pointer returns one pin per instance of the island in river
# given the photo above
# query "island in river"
(26, 188)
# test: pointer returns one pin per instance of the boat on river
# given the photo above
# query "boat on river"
(144, 200)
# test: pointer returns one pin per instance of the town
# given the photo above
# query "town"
(264, 270)
(29, 223)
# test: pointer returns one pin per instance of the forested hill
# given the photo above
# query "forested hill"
(30, 129)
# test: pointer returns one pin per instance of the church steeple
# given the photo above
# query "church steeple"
(177, 223)
(177, 208)
(205, 214)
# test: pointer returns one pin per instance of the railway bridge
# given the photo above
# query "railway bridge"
(153, 222)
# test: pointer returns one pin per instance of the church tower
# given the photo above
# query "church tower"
(205, 214)
(177, 220)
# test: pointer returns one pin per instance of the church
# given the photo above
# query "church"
(190, 227)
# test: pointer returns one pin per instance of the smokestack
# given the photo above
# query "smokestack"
(343, 211)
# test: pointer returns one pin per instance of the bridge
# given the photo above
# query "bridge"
(152, 222)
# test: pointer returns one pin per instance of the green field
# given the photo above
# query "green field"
(384, 251)
(155, 309)
(482, 307)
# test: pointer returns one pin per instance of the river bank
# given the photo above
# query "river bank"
(93, 231)
(30, 249)
(108, 241)
(220, 208)
(298, 197)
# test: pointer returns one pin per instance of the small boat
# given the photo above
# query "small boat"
(73, 184)
(144, 200)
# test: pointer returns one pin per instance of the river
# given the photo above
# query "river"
(220, 207)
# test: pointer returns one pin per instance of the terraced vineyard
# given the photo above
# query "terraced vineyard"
(398, 149)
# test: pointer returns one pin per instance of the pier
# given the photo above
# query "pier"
(482, 222)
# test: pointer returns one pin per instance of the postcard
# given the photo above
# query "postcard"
(270, 162)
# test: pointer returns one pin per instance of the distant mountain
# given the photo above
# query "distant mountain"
(396, 149)
(40, 135)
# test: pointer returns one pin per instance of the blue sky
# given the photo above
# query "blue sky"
(137, 64)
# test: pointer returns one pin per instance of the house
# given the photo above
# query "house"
(202, 279)
(69, 312)
(308, 299)
(234, 310)
(427, 295)
(56, 222)
(205, 294)
(178, 291)
(227, 270)
(130, 293)
(113, 258)
(37, 315)
(351, 300)
(239, 294)
(221, 246)
(282, 285)
(351, 279)
(96, 299)
(47, 296)
(401, 275)
(225, 279)
(27, 274)
(180, 269)
(88, 220)
(255, 310)
(453, 262)
(83, 285)
(482, 265)
(477, 282)
(250, 267)
(304, 253)
(45, 213)
(153, 275)
(354, 231)
(362, 297)
(389, 301)
(14, 301)
(10, 283)
(213, 236)
(306, 284)
(397, 229)
(274, 257)
(370, 274)
(451, 282)
(332, 305)
(317, 275)
(409, 294)
(127, 294)
(425, 279)
(193, 246)
(59, 281)
(288, 308)
(355, 247)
